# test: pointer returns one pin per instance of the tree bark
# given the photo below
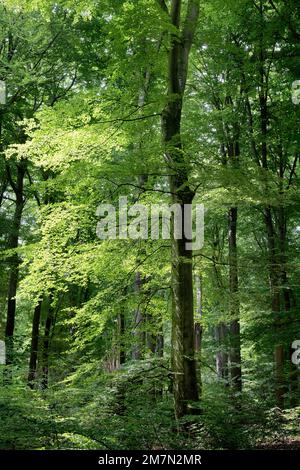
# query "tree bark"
(235, 340)
(274, 277)
(46, 348)
(34, 345)
(13, 243)
(198, 324)
(222, 355)
(121, 326)
(138, 327)
(183, 354)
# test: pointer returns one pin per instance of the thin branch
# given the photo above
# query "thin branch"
(163, 6)
(136, 186)
(36, 196)
(293, 171)
(138, 118)
(44, 52)
(147, 257)
(9, 177)
(66, 91)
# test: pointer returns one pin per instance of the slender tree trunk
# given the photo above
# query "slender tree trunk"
(121, 323)
(292, 375)
(198, 337)
(221, 329)
(183, 353)
(271, 233)
(198, 324)
(34, 345)
(230, 362)
(235, 341)
(4, 181)
(13, 243)
(275, 229)
(138, 329)
(160, 345)
(281, 303)
(151, 338)
(139, 321)
(222, 353)
(2, 190)
(46, 348)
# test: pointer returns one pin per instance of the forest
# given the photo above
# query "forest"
(116, 333)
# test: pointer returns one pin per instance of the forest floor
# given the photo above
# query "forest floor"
(288, 433)
(92, 419)
(289, 443)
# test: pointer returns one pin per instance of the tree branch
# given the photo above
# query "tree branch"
(188, 34)
(163, 6)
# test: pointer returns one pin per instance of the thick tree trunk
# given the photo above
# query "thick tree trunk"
(34, 345)
(183, 357)
(183, 342)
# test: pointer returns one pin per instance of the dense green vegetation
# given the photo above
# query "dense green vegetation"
(142, 343)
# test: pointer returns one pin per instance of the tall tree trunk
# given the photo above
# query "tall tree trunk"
(13, 243)
(34, 345)
(235, 341)
(221, 329)
(281, 305)
(46, 347)
(183, 354)
(160, 344)
(198, 319)
(121, 325)
(222, 353)
(138, 328)
(139, 320)
(198, 324)
(274, 277)
(292, 373)
(274, 274)
(230, 361)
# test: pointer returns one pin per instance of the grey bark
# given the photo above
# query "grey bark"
(183, 354)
